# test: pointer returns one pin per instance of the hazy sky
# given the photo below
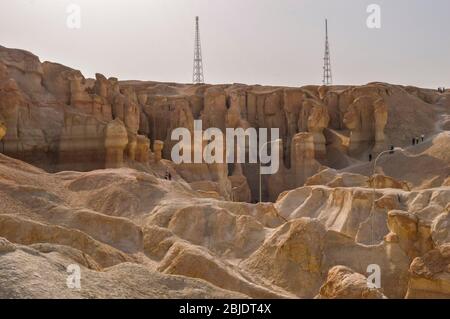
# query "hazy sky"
(279, 42)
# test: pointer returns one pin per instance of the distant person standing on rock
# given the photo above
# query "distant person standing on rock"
(370, 157)
(422, 137)
(168, 176)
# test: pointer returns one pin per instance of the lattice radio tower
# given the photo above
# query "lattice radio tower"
(197, 76)
(327, 78)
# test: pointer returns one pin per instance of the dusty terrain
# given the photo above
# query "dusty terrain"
(82, 167)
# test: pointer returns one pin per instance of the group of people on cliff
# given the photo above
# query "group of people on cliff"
(415, 141)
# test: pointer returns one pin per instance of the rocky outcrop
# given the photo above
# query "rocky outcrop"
(333, 178)
(344, 283)
(89, 103)
(382, 181)
(430, 275)
(197, 263)
(24, 133)
(25, 264)
(82, 143)
(292, 257)
(348, 209)
(359, 119)
(303, 163)
(51, 110)
(116, 139)
(142, 149)
(381, 118)
(318, 120)
(240, 190)
(440, 229)
(412, 235)
(157, 150)
(2, 129)
(103, 203)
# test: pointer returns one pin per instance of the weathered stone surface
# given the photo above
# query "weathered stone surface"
(440, 229)
(292, 257)
(197, 263)
(2, 129)
(303, 163)
(157, 150)
(343, 283)
(318, 120)
(430, 275)
(240, 190)
(404, 231)
(25, 265)
(142, 149)
(103, 203)
(116, 139)
(381, 181)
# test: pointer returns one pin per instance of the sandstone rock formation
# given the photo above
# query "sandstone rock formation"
(430, 275)
(99, 198)
(440, 229)
(62, 115)
(157, 149)
(142, 149)
(116, 139)
(317, 121)
(343, 283)
(2, 129)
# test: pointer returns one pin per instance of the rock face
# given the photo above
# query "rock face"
(317, 121)
(2, 129)
(302, 158)
(303, 165)
(52, 111)
(99, 198)
(440, 229)
(23, 263)
(157, 148)
(430, 275)
(292, 257)
(343, 283)
(240, 190)
(115, 142)
(142, 149)
(414, 237)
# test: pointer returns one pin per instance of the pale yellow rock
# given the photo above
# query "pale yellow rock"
(142, 149)
(381, 181)
(157, 150)
(344, 283)
(2, 129)
(441, 228)
(404, 230)
(116, 139)
(131, 231)
(430, 275)
(318, 120)
(240, 190)
(196, 263)
(292, 257)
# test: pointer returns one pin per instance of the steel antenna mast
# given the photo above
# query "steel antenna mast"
(197, 76)
(327, 78)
